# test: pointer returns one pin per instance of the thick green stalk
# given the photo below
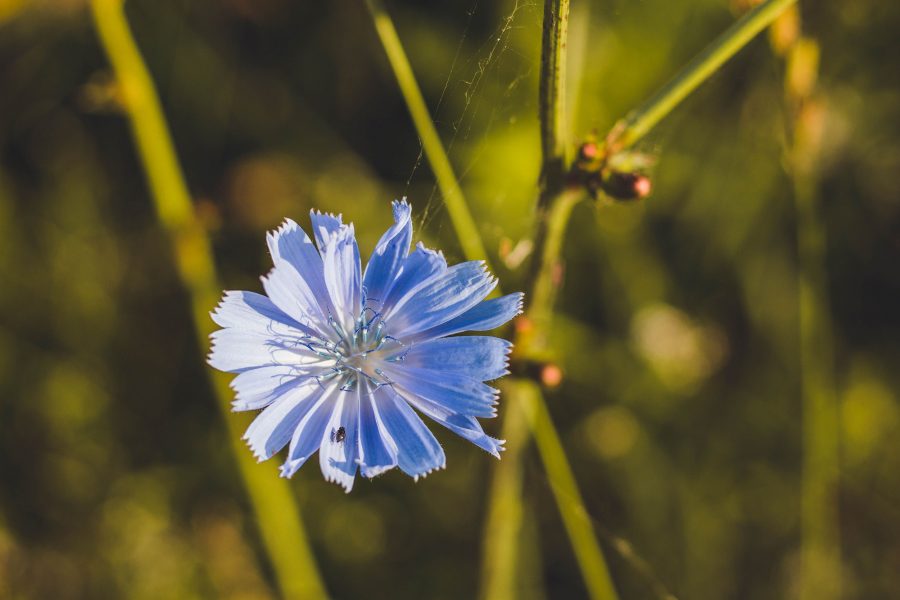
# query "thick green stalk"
(554, 208)
(554, 203)
(552, 92)
(276, 513)
(641, 120)
(463, 223)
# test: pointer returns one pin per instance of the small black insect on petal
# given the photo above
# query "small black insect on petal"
(339, 435)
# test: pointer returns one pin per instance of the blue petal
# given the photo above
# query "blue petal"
(389, 254)
(421, 264)
(418, 452)
(254, 312)
(257, 388)
(273, 428)
(343, 276)
(485, 316)
(236, 350)
(324, 225)
(339, 449)
(477, 356)
(296, 285)
(308, 433)
(378, 452)
(466, 427)
(457, 393)
(440, 298)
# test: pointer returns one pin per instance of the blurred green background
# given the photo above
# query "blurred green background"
(678, 326)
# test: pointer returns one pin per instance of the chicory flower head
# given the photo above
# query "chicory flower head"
(337, 356)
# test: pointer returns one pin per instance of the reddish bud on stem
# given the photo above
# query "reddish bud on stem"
(551, 375)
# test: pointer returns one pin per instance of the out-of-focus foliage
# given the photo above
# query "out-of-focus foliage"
(678, 332)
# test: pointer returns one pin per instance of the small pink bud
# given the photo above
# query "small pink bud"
(589, 150)
(523, 324)
(620, 185)
(551, 375)
(642, 186)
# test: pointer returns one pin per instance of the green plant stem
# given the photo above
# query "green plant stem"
(500, 561)
(532, 342)
(502, 531)
(821, 541)
(554, 207)
(641, 120)
(276, 513)
(568, 498)
(463, 223)
(821, 550)
(554, 204)
(505, 504)
(552, 91)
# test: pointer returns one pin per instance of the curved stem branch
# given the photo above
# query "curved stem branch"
(545, 273)
(641, 120)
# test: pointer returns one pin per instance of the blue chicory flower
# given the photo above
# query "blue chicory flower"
(338, 357)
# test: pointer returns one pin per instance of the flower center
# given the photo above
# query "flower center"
(360, 352)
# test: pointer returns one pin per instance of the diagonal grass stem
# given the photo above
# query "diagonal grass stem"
(466, 229)
(641, 120)
(575, 517)
(276, 513)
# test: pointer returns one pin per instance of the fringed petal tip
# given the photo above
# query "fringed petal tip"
(318, 214)
(343, 235)
(497, 449)
(291, 466)
(324, 225)
(239, 406)
(401, 209)
(267, 276)
(520, 302)
(220, 305)
(507, 352)
(212, 357)
(258, 453)
(344, 480)
(423, 248)
(373, 471)
(272, 236)
(425, 474)
(224, 312)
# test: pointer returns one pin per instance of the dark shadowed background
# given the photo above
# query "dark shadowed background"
(678, 329)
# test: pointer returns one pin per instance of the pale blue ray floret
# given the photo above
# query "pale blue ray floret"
(337, 357)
